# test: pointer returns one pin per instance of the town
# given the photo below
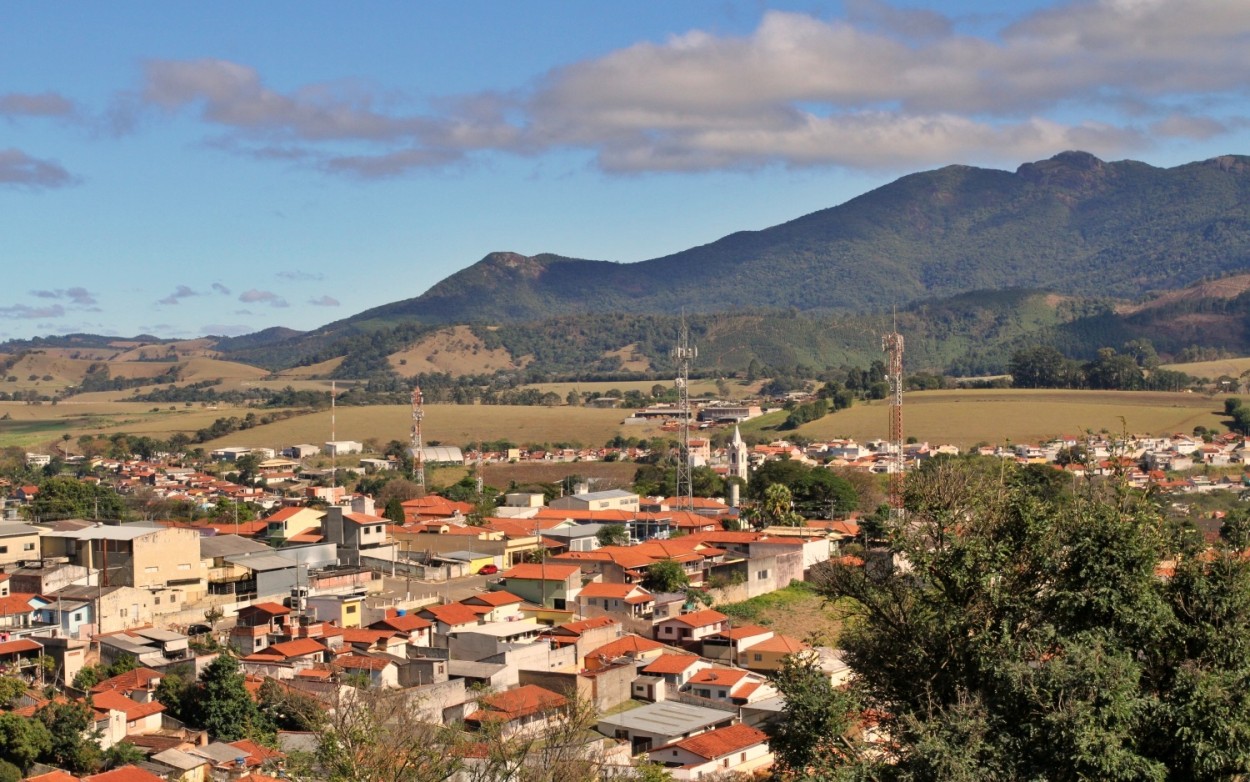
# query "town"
(249, 647)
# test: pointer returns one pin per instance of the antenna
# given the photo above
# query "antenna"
(892, 345)
(684, 354)
(418, 448)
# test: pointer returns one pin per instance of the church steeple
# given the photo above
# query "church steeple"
(738, 456)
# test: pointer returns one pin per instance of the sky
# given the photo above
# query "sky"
(183, 169)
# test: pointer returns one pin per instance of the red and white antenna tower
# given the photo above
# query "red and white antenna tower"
(892, 345)
(418, 447)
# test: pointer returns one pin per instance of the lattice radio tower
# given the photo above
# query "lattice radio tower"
(684, 354)
(892, 345)
(418, 446)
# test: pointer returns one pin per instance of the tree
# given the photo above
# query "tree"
(665, 576)
(777, 507)
(11, 688)
(123, 753)
(815, 720)
(1030, 638)
(222, 705)
(74, 738)
(613, 535)
(287, 709)
(394, 510)
(9, 772)
(817, 492)
(65, 498)
(23, 740)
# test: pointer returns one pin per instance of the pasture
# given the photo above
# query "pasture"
(966, 417)
(1233, 367)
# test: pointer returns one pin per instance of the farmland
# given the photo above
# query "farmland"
(966, 417)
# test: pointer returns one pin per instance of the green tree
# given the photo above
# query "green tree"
(287, 709)
(777, 507)
(65, 498)
(123, 753)
(222, 705)
(612, 535)
(1030, 638)
(74, 738)
(9, 772)
(394, 510)
(816, 720)
(11, 688)
(23, 740)
(665, 576)
(817, 492)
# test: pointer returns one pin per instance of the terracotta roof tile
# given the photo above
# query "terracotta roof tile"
(723, 741)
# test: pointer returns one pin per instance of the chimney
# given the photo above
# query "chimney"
(733, 494)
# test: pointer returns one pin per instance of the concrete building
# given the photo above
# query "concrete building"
(343, 447)
(19, 543)
(135, 555)
(612, 499)
(661, 724)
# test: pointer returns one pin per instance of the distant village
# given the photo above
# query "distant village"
(492, 626)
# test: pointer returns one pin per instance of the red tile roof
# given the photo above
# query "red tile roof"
(133, 710)
(723, 741)
(615, 591)
(671, 663)
(495, 599)
(274, 609)
(138, 679)
(518, 702)
(53, 776)
(19, 646)
(124, 774)
(537, 572)
(782, 644)
(404, 624)
(297, 648)
(704, 618)
(579, 627)
(456, 613)
(629, 645)
(723, 677)
(358, 662)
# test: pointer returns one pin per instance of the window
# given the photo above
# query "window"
(28, 547)
(158, 599)
(4, 549)
(762, 574)
(184, 566)
(758, 657)
(349, 610)
(152, 569)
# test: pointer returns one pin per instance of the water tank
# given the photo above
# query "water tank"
(401, 612)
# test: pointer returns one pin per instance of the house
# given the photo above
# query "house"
(661, 724)
(150, 647)
(767, 655)
(342, 610)
(141, 718)
(293, 522)
(504, 606)
(692, 627)
(728, 646)
(731, 685)
(415, 628)
(380, 670)
(547, 585)
(676, 670)
(18, 543)
(630, 647)
(136, 555)
(628, 599)
(524, 709)
(739, 749)
(612, 499)
(123, 774)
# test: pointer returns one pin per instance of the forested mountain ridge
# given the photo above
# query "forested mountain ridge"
(1072, 224)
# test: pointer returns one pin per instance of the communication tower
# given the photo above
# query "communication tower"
(684, 354)
(892, 345)
(418, 447)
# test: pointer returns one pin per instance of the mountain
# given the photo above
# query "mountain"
(1072, 224)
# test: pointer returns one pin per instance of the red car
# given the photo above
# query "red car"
(488, 570)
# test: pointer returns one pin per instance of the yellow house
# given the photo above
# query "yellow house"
(343, 610)
(766, 656)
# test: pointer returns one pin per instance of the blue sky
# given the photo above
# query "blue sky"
(185, 169)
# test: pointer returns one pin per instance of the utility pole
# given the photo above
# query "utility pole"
(418, 446)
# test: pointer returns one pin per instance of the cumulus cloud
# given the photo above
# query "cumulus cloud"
(78, 296)
(254, 296)
(883, 87)
(324, 301)
(26, 312)
(180, 293)
(299, 275)
(18, 169)
(46, 104)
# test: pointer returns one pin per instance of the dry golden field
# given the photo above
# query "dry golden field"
(452, 424)
(965, 417)
(1213, 369)
(38, 425)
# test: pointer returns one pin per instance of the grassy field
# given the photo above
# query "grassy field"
(737, 389)
(1213, 369)
(966, 417)
(797, 611)
(37, 425)
(602, 475)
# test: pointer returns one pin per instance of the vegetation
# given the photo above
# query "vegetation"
(1030, 637)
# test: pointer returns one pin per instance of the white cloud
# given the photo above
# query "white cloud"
(19, 169)
(180, 293)
(324, 301)
(884, 87)
(254, 296)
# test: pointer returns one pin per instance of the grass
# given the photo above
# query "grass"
(1232, 367)
(798, 611)
(966, 417)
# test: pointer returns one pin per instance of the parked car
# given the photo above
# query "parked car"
(199, 630)
(488, 570)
